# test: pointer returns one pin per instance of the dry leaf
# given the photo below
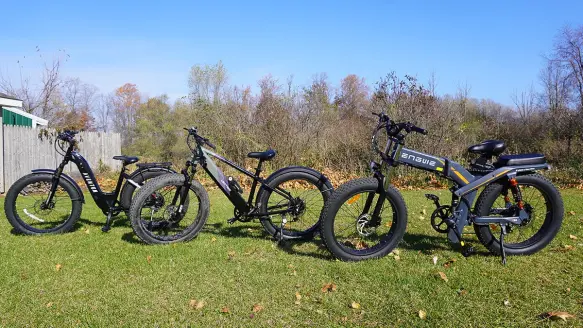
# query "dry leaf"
(58, 267)
(87, 231)
(557, 315)
(49, 304)
(506, 303)
(257, 308)
(149, 258)
(231, 254)
(573, 237)
(421, 217)
(354, 305)
(196, 304)
(572, 213)
(396, 252)
(329, 287)
(397, 257)
(298, 296)
(449, 263)
(442, 276)
(422, 314)
(434, 260)
(424, 212)
(389, 224)
(361, 245)
(568, 290)
(462, 292)
(225, 310)
(213, 239)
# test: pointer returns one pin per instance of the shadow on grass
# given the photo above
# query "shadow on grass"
(427, 244)
(118, 221)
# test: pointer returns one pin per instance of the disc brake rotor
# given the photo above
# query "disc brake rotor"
(363, 227)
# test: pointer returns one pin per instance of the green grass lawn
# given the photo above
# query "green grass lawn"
(108, 279)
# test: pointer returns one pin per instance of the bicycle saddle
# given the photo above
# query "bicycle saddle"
(262, 155)
(488, 148)
(126, 159)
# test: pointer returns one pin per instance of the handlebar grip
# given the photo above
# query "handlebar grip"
(210, 144)
(419, 130)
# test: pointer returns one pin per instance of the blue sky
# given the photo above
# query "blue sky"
(495, 47)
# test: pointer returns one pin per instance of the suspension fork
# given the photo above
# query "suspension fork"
(382, 191)
(55, 182)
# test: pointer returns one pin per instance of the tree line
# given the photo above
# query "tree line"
(326, 125)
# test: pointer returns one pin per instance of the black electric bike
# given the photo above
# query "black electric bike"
(175, 207)
(50, 201)
(518, 212)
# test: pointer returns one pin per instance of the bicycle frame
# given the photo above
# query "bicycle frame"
(205, 159)
(465, 187)
(106, 201)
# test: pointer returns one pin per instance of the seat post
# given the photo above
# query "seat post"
(258, 169)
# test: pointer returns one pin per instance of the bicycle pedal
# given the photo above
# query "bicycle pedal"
(105, 228)
(468, 250)
(432, 197)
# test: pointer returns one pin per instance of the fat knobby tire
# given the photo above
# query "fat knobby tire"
(20, 226)
(344, 193)
(152, 186)
(546, 233)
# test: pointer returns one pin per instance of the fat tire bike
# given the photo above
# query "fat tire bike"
(175, 207)
(50, 201)
(518, 212)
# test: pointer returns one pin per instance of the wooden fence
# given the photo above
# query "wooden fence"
(23, 150)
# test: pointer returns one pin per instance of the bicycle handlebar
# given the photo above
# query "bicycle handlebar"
(192, 131)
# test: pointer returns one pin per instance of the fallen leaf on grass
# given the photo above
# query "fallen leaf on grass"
(506, 303)
(424, 212)
(573, 237)
(257, 308)
(225, 310)
(149, 258)
(58, 267)
(87, 231)
(434, 260)
(565, 248)
(557, 315)
(462, 292)
(397, 258)
(389, 224)
(449, 263)
(354, 305)
(572, 212)
(298, 298)
(213, 239)
(422, 314)
(442, 276)
(361, 245)
(231, 254)
(49, 304)
(329, 287)
(196, 304)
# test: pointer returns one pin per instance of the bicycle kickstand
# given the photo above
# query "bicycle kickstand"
(107, 225)
(283, 222)
(502, 251)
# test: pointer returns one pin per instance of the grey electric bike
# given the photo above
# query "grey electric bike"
(518, 212)
(175, 207)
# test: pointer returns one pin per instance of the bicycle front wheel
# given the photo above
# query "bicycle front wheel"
(157, 216)
(351, 232)
(29, 212)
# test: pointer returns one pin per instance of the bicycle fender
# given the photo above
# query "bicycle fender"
(303, 169)
(64, 176)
